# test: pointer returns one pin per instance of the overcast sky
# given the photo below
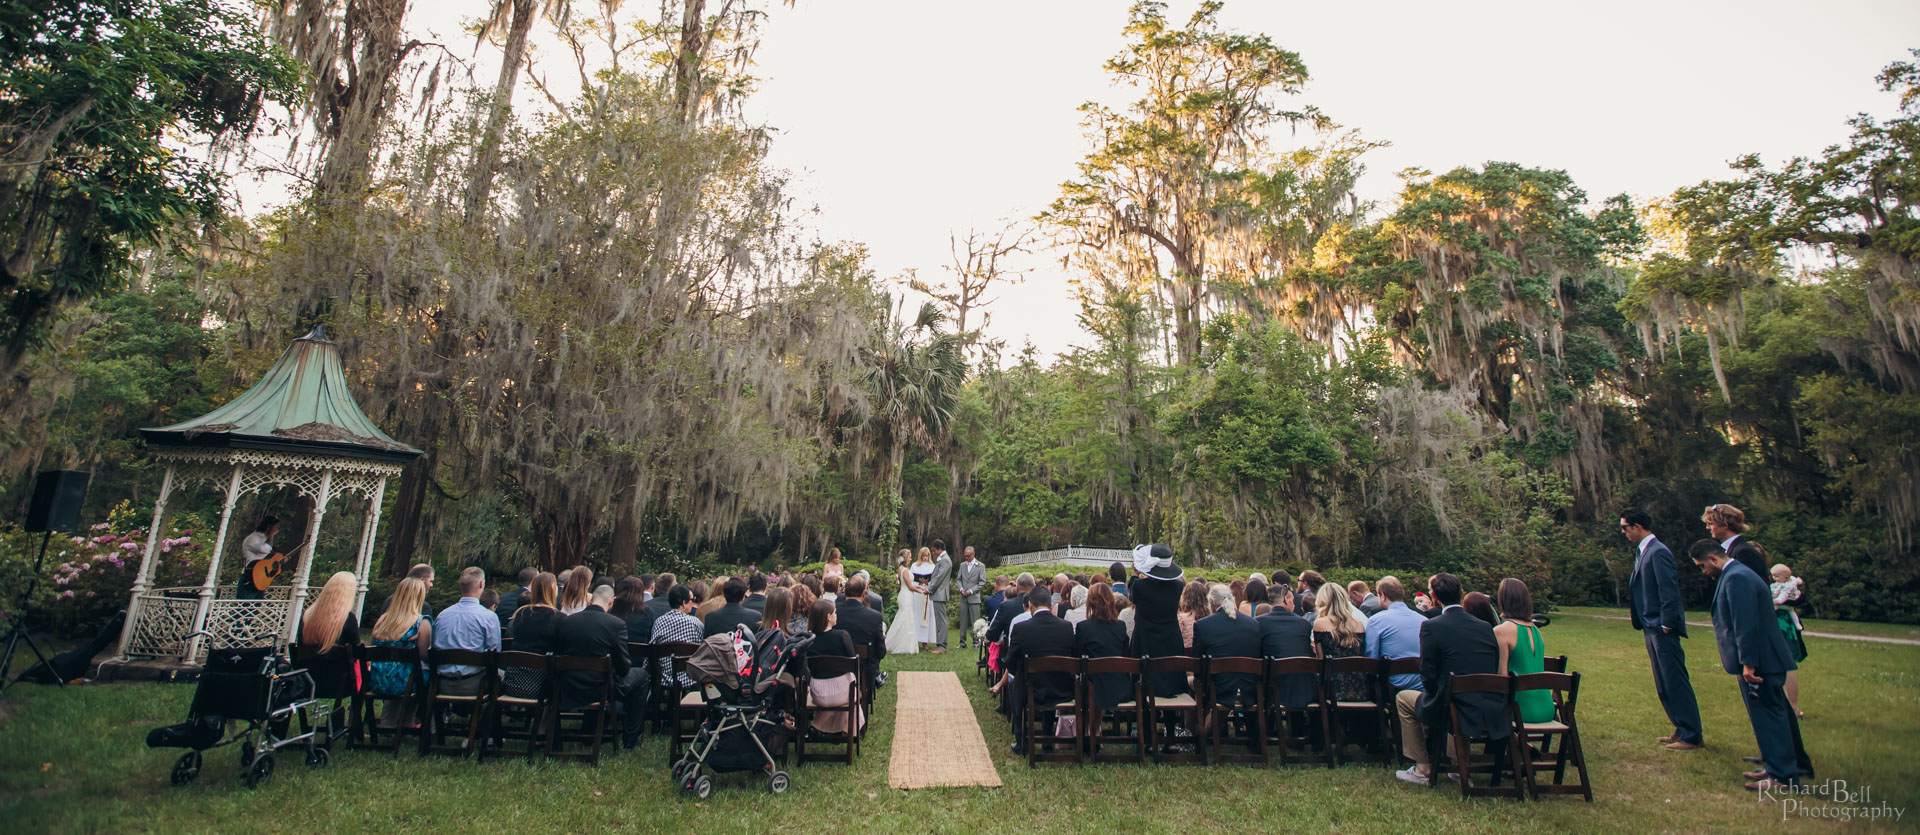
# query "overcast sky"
(904, 120)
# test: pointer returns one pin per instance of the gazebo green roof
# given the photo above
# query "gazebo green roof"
(301, 405)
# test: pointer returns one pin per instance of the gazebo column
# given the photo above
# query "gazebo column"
(143, 579)
(207, 589)
(298, 600)
(364, 565)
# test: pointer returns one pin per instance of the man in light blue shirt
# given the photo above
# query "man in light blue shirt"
(1394, 632)
(466, 625)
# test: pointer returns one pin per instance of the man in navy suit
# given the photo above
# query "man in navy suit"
(1752, 648)
(1654, 591)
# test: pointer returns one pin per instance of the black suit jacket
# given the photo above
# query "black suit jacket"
(592, 633)
(721, 621)
(1456, 643)
(865, 627)
(509, 602)
(1287, 635)
(1003, 620)
(1228, 635)
(657, 606)
(756, 602)
(1042, 635)
(1104, 639)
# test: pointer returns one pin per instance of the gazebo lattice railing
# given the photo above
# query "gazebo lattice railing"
(296, 428)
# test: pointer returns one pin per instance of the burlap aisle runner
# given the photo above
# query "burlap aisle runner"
(936, 741)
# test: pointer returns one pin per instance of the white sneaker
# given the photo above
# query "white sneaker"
(1410, 775)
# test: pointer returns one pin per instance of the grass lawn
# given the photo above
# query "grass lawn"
(1905, 631)
(75, 760)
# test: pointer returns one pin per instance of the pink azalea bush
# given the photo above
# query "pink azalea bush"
(88, 575)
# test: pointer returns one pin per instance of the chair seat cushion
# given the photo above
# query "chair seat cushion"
(443, 697)
(516, 700)
(1055, 706)
(1182, 700)
(1357, 705)
(1546, 726)
(693, 698)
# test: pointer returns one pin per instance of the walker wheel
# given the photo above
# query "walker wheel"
(317, 756)
(778, 782)
(186, 768)
(259, 772)
(703, 787)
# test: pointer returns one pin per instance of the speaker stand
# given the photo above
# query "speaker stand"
(20, 630)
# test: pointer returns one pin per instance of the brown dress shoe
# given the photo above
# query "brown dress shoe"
(1682, 745)
(1754, 775)
(1765, 785)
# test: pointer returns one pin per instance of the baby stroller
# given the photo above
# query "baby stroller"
(745, 681)
(244, 684)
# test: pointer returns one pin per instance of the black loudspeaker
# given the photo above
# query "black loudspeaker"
(57, 495)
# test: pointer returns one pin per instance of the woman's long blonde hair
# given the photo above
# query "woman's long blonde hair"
(327, 615)
(402, 610)
(906, 556)
(1331, 602)
(926, 554)
(579, 589)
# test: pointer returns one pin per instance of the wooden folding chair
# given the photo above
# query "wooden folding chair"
(1280, 673)
(825, 667)
(1219, 713)
(1389, 695)
(869, 672)
(441, 705)
(603, 711)
(661, 697)
(689, 703)
(530, 713)
(1541, 735)
(1554, 664)
(336, 722)
(1128, 720)
(1035, 730)
(1183, 706)
(1465, 764)
(404, 705)
(1374, 709)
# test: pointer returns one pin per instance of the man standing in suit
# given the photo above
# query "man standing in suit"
(511, 600)
(1728, 524)
(863, 625)
(1753, 649)
(939, 591)
(721, 621)
(593, 633)
(1041, 634)
(972, 579)
(756, 593)
(1654, 591)
(1451, 643)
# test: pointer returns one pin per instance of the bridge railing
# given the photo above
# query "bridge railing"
(1069, 555)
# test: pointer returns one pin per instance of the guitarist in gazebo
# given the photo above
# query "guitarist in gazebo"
(262, 562)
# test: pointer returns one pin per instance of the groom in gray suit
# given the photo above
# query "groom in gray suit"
(972, 579)
(938, 592)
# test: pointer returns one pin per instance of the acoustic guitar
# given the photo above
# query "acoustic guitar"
(262, 573)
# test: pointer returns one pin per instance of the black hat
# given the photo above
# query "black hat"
(1156, 561)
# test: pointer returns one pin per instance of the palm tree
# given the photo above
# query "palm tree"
(914, 371)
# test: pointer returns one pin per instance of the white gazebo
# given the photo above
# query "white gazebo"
(297, 427)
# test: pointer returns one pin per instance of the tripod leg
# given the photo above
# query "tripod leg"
(20, 633)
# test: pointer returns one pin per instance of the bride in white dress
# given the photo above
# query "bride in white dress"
(903, 635)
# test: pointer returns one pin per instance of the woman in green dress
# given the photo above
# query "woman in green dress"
(1521, 651)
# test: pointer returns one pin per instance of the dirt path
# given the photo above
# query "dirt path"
(1872, 639)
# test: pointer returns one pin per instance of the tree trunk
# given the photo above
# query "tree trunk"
(626, 534)
(563, 538)
(480, 179)
(686, 65)
(404, 529)
(357, 108)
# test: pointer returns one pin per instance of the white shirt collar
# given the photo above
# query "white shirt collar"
(1644, 541)
(1727, 544)
(1443, 609)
